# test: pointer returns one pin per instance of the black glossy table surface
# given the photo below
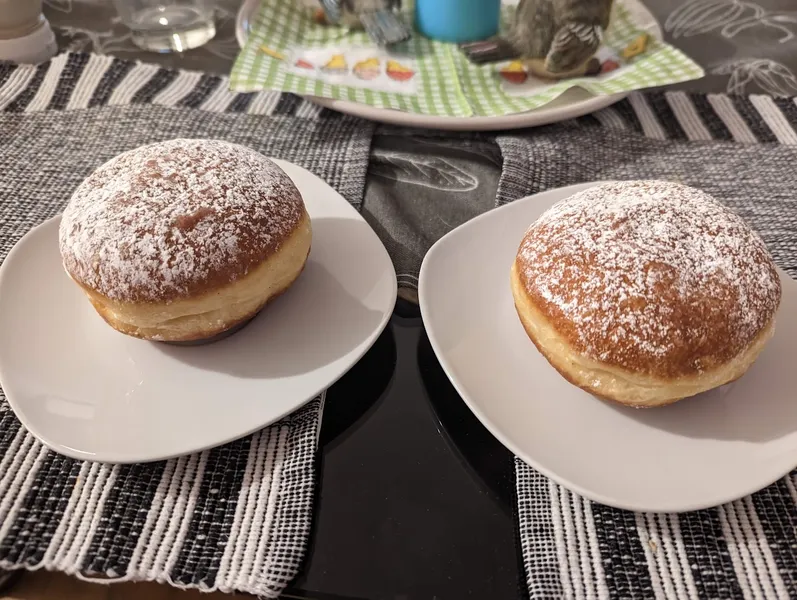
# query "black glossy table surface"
(415, 498)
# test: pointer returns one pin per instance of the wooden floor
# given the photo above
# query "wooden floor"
(54, 586)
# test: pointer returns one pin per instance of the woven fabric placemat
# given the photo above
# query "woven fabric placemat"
(742, 151)
(234, 518)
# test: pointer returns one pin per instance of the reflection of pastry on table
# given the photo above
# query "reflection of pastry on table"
(555, 39)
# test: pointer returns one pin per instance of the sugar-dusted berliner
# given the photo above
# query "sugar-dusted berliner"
(645, 292)
(185, 239)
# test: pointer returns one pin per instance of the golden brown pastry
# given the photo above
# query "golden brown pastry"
(645, 292)
(185, 239)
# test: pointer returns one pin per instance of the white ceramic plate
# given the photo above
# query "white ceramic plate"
(576, 102)
(92, 393)
(697, 453)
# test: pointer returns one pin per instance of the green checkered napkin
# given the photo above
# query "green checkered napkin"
(443, 81)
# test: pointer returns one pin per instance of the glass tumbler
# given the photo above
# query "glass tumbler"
(168, 25)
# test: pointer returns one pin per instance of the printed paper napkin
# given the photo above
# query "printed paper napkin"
(288, 50)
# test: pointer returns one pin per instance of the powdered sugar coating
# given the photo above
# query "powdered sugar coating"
(652, 276)
(172, 219)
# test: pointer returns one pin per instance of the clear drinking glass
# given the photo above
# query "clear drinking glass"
(168, 25)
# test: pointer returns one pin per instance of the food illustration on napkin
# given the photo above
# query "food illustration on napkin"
(289, 50)
(607, 63)
(365, 68)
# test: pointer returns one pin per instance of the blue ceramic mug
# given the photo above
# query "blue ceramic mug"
(458, 20)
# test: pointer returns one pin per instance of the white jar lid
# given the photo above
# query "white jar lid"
(36, 47)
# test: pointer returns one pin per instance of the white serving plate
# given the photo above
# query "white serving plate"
(697, 453)
(575, 102)
(92, 393)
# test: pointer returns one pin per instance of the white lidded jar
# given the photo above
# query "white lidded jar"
(25, 35)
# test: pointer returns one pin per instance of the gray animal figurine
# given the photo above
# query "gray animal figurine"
(380, 18)
(556, 39)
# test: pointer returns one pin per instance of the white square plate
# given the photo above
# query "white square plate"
(694, 454)
(92, 393)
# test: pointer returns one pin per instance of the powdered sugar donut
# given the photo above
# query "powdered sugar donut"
(645, 292)
(185, 239)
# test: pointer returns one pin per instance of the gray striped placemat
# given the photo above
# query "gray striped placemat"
(78, 81)
(743, 150)
(234, 518)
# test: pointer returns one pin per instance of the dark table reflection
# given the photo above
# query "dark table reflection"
(415, 496)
